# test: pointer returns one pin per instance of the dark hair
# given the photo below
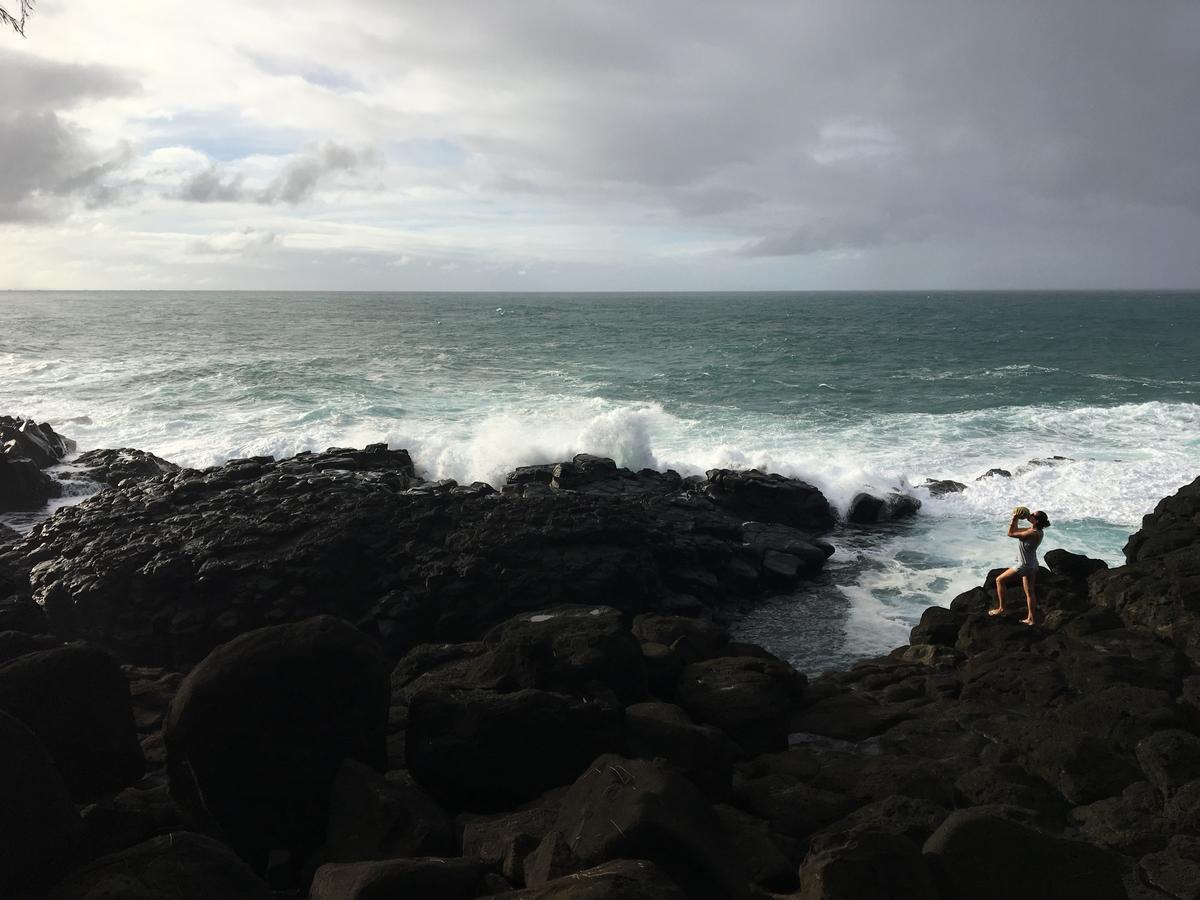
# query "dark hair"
(1043, 520)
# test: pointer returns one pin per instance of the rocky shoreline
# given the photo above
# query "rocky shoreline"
(324, 677)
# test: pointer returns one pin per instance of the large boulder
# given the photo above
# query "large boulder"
(425, 877)
(633, 809)
(1176, 868)
(979, 855)
(180, 866)
(114, 466)
(482, 751)
(258, 731)
(24, 486)
(1170, 759)
(749, 698)
(43, 834)
(770, 498)
(868, 509)
(664, 731)
(570, 649)
(374, 816)
(76, 700)
(504, 841)
(622, 879)
(1156, 587)
(23, 438)
(870, 866)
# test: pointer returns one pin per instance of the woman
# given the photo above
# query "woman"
(1027, 562)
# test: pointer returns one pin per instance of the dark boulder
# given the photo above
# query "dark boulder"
(180, 865)
(792, 806)
(867, 509)
(43, 834)
(18, 643)
(503, 842)
(770, 498)
(1175, 869)
(938, 626)
(483, 751)
(136, 814)
(24, 439)
(622, 879)
(663, 731)
(908, 817)
(766, 864)
(746, 697)
(1170, 759)
(570, 649)
(429, 878)
(1007, 784)
(24, 486)
(977, 855)
(76, 700)
(847, 716)
(1073, 565)
(1172, 526)
(939, 487)
(1131, 823)
(257, 732)
(23, 616)
(994, 473)
(690, 639)
(1155, 589)
(869, 866)
(373, 816)
(633, 809)
(111, 467)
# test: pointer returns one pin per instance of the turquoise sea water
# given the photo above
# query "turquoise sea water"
(850, 391)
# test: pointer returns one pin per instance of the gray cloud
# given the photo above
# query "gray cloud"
(49, 163)
(208, 186)
(300, 177)
(806, 128)
(296, 183)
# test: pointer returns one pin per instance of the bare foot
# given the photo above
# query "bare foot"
(1028, 622)
(998, 611)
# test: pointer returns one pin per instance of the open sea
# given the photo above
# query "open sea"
(849, 391)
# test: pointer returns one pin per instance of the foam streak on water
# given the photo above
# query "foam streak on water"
(850, 391)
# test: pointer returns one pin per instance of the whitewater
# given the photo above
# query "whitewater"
(848, 391)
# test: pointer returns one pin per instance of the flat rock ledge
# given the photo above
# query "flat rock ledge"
(580, 740)
(168, 563)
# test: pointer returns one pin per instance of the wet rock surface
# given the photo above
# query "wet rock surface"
(163, 569)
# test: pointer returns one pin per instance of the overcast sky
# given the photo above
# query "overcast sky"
(377, 144)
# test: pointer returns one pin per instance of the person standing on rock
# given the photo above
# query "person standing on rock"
(1027, 561)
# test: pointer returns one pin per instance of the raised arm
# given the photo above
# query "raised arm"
(1014, 532)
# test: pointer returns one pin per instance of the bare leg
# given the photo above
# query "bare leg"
(1030, 584)
(1000, 580)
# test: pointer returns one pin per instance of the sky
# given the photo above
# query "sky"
(562, 145)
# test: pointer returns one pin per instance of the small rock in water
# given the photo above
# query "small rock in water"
(1003, 473)
(938, 487)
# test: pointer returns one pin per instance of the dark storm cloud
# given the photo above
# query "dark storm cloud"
(806, 127)
(48, 162)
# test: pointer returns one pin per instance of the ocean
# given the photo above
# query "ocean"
(850, 391)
